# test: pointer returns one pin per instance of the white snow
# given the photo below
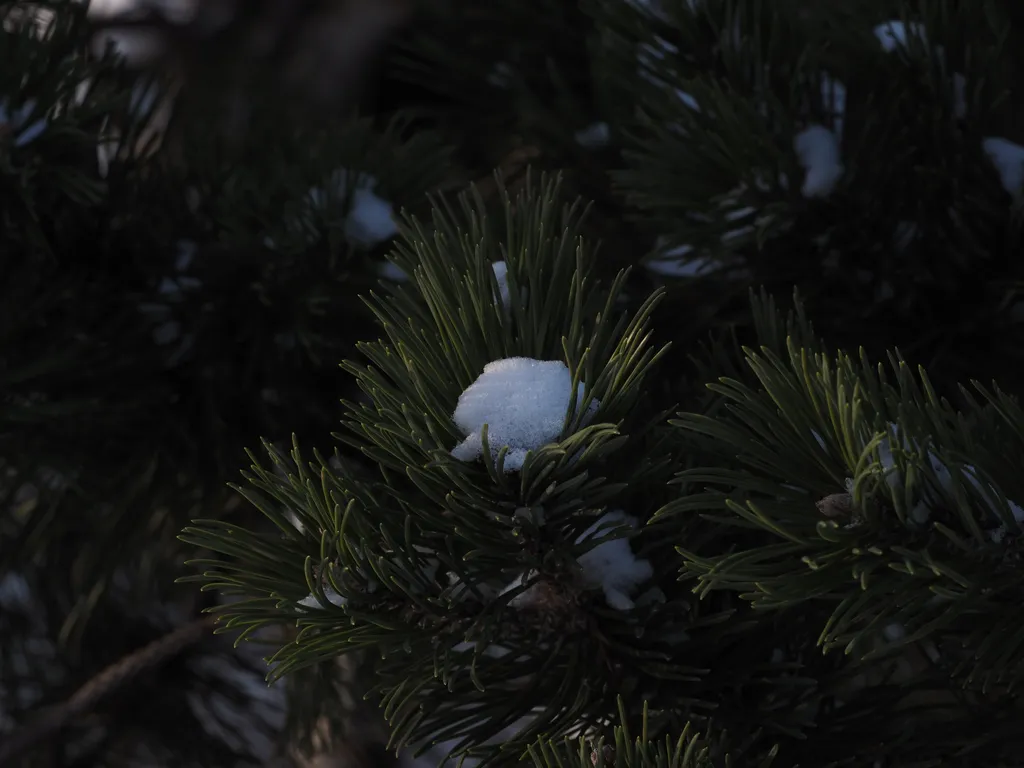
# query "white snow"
(370, 218)
(501, 275)
(611, 565)
(594, 136)
(921, 512)
(1008, 159)
(312, 601)
(817, 149)
(522, 401)
(894, 34)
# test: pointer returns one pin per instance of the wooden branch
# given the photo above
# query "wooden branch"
(111, 679)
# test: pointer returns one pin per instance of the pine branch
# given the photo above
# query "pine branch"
(111, 679)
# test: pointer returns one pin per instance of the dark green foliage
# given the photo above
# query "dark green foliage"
(834, 544)
(421, 551)
(147, 333)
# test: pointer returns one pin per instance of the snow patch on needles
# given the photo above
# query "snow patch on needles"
(894, 35)
(522, 401)
(313, 601)
(921, 512)
(1008, 159)
(817, 149)
(611, 565)
(370, 219)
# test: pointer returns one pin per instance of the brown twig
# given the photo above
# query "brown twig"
(115, 676)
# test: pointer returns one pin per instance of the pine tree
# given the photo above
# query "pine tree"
(160, 311)
(605, 491)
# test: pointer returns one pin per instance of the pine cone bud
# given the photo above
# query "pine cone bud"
(836, 505)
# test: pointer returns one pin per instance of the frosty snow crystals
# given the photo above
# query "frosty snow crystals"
(522, 401)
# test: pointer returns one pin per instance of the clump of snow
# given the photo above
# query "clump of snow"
(522, 401)
(594, 136)
(501, 275)
(332, 596)
(921, 512)
(817, 149)
(370, 219)
(893, 35)
(1008, 159)
(611, 565)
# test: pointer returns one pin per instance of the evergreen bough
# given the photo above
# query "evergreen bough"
(819, 508)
